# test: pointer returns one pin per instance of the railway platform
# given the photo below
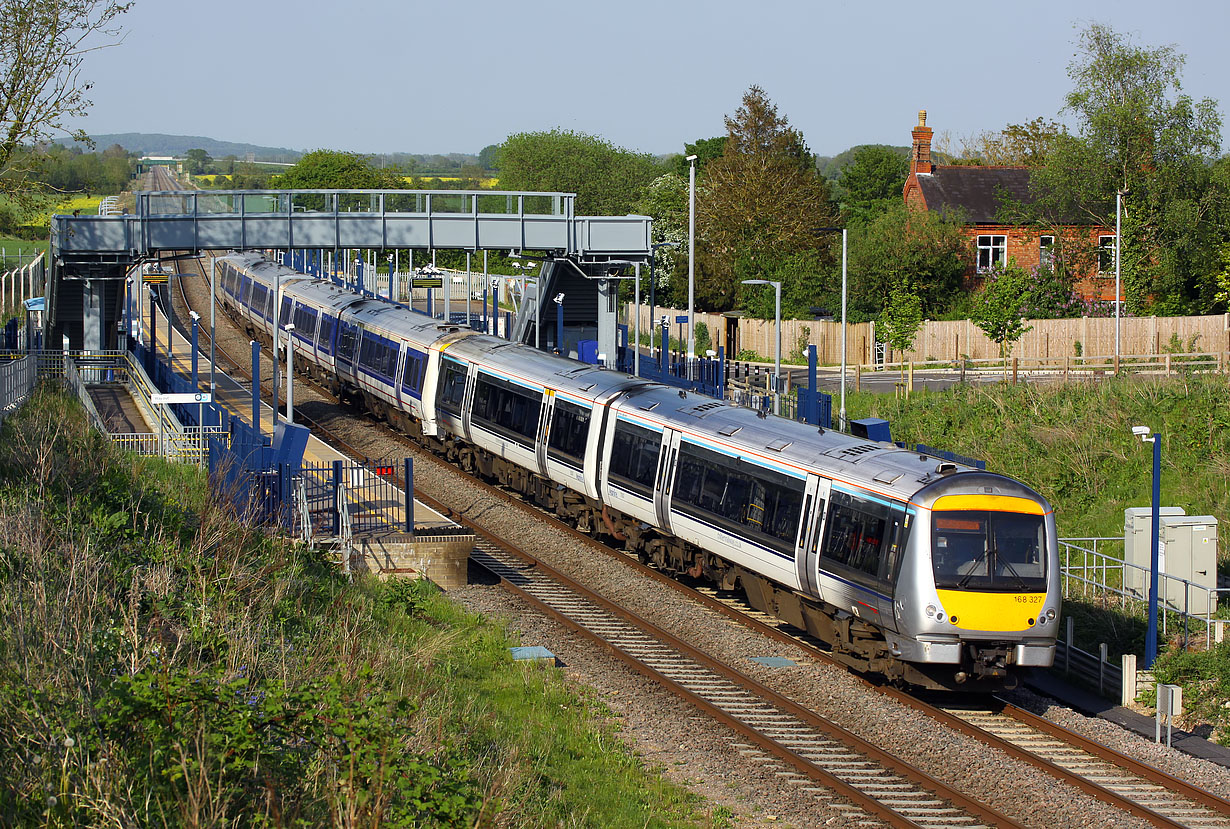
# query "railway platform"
(353, 508)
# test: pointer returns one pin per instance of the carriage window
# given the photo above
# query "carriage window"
(507, 408)
(856, 533)
(412, 373)
(634, 457)
(569, 432)
(284, 317)
(452, 387)
(740, 494)
(260, 300)
(325, 341)
(378, 355)
(346, 342)
(305, 323)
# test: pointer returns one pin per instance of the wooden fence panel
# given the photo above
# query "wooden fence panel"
(950, 340)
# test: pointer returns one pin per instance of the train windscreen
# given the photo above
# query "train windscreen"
(983, 550)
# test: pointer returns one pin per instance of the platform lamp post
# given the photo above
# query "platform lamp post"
(290, 372)
(653, 280)
(1143, 432)
(521, 277)
(277, 321)
(1119, 194)
(559, 325)
(777, 320)
(691, 262)
(845, 259)
(196, 385)
(213, 387)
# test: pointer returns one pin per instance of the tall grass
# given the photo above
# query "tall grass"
(165, 665)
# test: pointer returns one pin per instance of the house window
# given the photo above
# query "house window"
(1046, 251)
(992, 252)
(1106, 255)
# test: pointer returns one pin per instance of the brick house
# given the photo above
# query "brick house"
(975, 191)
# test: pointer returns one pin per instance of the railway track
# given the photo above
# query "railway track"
(799, 740)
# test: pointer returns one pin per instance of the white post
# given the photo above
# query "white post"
(290, 372)
(636, 323)
(777, 363)
(691, 261)
(1118, 200)
(213, 386)
(277, 318)
(844, 260)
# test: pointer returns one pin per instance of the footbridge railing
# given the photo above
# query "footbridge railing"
(326, 219)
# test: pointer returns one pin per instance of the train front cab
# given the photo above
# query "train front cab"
(979, 592)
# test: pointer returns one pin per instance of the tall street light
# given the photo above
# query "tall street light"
(1119, 194)
(653, 252)
(777, 319)
(841, 414)
(1144, 434)
(691, 261)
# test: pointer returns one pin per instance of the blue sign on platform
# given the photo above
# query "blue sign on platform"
(681, 319)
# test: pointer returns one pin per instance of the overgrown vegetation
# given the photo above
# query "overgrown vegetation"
(164, 665)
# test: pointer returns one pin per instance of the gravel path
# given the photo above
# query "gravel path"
(696, 751)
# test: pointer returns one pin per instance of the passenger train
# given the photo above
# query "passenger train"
(924, 571)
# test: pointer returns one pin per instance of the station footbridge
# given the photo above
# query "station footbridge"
(91, 256)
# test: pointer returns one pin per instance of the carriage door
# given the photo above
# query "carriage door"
(811, 531)
(664, 481)
(544, 429)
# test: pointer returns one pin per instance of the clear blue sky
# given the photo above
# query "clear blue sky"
(449, 76)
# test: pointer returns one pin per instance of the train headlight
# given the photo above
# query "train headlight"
(1050, 615)
(930, 610)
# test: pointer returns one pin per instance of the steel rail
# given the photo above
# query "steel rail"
(832, 730)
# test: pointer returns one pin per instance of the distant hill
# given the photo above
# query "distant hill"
(157, 144)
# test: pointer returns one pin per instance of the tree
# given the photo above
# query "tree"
(328, 169)
(489, 157)
(872, 182)
(925, 249)
(901, 318)
(762, 200)
(45, 44)
(607, 179)
(665, 200)
(1137, 132)
(1016, 145)
(196, 162)
(705, 150)
(997, 309)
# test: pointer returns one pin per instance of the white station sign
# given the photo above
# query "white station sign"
(185, 397)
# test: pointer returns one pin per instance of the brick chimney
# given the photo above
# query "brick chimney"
(921, 153)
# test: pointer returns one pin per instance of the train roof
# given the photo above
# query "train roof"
(527, 363)
(877, 466)
(400, 321)
(324, 295)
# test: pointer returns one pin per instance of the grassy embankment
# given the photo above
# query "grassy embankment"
(1073, 443)
(162, 664)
